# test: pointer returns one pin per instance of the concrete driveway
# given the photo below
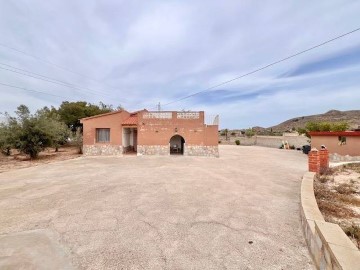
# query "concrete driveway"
(239, 211)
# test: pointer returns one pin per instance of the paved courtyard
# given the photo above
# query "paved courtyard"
(239, 211)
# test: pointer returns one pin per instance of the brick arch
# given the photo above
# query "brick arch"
(177, 144)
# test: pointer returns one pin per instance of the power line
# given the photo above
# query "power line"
(53, 64)
(43, 60)
(31, 90)
(264, 67)
(52, 80)
(36, 77)
(43, 76)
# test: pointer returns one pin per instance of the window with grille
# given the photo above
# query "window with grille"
(103, 135)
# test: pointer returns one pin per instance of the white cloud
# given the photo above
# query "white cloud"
(151, 51)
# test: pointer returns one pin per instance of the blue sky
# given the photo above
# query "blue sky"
(139, 53)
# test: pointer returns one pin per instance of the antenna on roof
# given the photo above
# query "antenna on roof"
(159, 107)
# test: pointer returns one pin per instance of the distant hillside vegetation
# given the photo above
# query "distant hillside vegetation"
(351, 117)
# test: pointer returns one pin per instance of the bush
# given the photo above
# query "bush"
(237, 142)
(249, 132)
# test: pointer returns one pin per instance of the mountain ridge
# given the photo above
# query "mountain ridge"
(352, 117)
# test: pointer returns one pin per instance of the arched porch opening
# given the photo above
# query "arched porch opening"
(177, 145)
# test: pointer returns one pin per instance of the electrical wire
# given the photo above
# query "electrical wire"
(52, 80)
(31, 90)
(263, 67)
(55, 65)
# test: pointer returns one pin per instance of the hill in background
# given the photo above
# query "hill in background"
(351, 117)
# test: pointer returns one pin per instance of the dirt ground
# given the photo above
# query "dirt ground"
(239, 211)
(17, 161)
(337, 192)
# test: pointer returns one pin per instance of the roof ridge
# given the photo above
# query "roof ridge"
(103, 114)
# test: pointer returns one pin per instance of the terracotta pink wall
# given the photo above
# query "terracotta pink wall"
(152, 131)
(112, 121)
(351, 148)
(159, 131)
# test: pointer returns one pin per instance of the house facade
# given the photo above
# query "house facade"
(344, 143)
(150, 133)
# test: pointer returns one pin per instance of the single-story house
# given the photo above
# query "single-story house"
(344, 143)
(150, 133)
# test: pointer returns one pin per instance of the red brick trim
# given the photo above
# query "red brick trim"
(334, 133)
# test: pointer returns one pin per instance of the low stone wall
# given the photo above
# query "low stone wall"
(339, 158)
(162, 150)
(329, 247)
(201, 150)
(273, 141)
(102, 150)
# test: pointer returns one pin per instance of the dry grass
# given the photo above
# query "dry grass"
(17, 160)
(353, 231)
(333, 204)
(345, 189)
(353, 166)
(336, 193)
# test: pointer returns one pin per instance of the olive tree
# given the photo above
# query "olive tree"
(31, 134)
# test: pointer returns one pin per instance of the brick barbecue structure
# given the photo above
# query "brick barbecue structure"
(150, 133)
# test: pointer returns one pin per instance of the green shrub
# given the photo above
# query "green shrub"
(249, 132)
(237, 142)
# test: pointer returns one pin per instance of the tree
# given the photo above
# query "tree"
(340, 126)
(5, 139)
(323, 126)
(56, 129)
(249, 132)
(31, 134)
(32, 137)
(71, 112)
(77, 140)
(226, 134)
(326, 126)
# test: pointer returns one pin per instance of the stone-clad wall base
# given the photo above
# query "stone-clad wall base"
(102, 150)
(162, 150)
(192, 150)
(201, 150)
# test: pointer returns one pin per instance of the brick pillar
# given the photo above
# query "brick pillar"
(314, 161)
(324, 159)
